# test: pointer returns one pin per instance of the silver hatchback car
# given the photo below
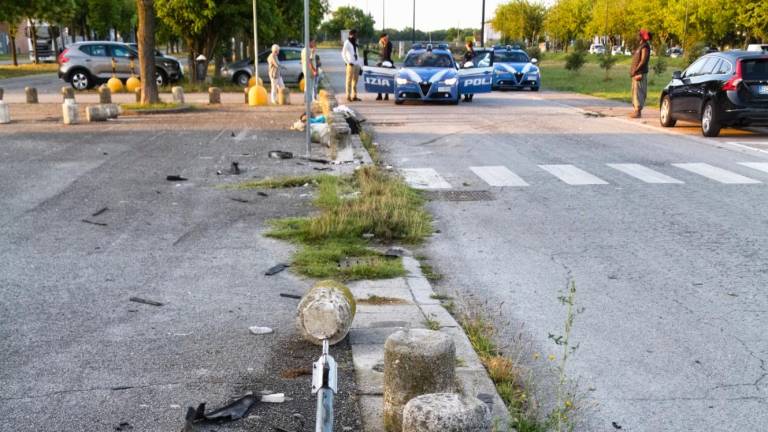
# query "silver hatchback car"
(86, 64)
(290, 59)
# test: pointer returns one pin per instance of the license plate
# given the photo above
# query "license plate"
(763, 89)
(444, 89)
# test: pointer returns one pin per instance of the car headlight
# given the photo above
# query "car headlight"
(401, 81)
(497, 72)
(451, 81)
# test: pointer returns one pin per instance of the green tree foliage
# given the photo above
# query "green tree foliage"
(349, 17)
(567, 19)
(520, 20)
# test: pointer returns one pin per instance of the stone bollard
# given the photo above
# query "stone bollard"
(111, 110)
(105, 94)
(1, 93)
(137, 92)
(284, 96)
(178, 94)
(214, 95)
(69, 111)
(31, 93)
(67, 93)
(5, 113)
(246, 91)
(340, 142)
(326, 311)
(96, 113)
(446, 412)
(416, 362)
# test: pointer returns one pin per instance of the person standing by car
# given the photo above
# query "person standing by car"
(313, 67)
(385, 57)
(275, 77)
(349, 55)
(469, 57)
(639, 73)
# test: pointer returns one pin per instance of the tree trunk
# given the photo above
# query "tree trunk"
(33, 35)
(54, 35)
(145, 10)
(12, 30)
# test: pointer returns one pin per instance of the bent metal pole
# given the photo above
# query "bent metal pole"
(324, 383)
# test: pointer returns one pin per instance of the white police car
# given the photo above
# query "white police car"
(512, 69)
(428, 74)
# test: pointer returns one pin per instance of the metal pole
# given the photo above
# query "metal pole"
(255, 46)
(324, 416)
(383, 15)
(482, 27)
(308, 79)
(413, 29)
(324, 383)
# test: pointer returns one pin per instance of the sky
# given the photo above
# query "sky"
(430, 14)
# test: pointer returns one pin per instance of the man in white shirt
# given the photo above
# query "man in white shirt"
(349, 55)
(313, 74)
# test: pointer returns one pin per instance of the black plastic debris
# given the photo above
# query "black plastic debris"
(94, 223)
(276, 269)
(240, 200)
(290, 296)
(279, 154)
(145, 301)
(394, 253)
(235, 169)
(323, 169)
(100, 212)
(615, 425)
(124, 426)
(176, 177)
(233, 411)
(264, 194)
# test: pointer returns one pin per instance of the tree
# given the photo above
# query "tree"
(520, 20)
(346, 18)
(12, 13)
(146, 40)
(567, 19)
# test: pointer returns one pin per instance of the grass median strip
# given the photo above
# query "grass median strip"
(355, 212)
(11, 71)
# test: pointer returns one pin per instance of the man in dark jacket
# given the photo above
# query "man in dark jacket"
(639, 73)
(469, 56)
(385, 55)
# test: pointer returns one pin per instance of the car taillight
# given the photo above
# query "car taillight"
(63, 57)
(733, 83)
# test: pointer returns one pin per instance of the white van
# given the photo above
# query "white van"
(758, 47)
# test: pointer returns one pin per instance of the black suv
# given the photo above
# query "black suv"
(720, 90)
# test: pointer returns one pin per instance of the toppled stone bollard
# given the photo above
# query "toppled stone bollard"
(326, 311)
(416, 362)
(178, 94)
(214, 95)
(446, 412)
(340, 142)
(137, 92)
(67, 93)
(69, 112)
(31, 93)
(5, 113)
(284, 96)
(111, 110)
(96, 113)
(105, 94)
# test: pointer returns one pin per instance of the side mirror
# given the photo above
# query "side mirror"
(676, 75)
(534, 60)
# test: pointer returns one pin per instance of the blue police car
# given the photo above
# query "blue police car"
(513, 69)
(428, 74)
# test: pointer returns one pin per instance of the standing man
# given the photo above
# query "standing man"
(313, 72)
(349, 55)
(385, 55)
(639, 73)
(275, 77)
(469, 56)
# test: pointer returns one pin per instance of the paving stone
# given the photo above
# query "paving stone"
(369, 316)
(474, 383)
(422, 290)
(372, 412)
(371, 336)
(364, 359)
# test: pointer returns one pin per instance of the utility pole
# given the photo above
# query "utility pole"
(309, 81)
(482, 27)
(255, 46)
(383, 16)
(413, 29)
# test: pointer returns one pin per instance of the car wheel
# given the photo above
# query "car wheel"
(161, 77)
(665, 113)
(710, 124)
(399, 101)
(457, 100)
(535, 89)
(242, 79)
(80, 80)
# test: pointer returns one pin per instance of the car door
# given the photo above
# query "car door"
(698, 89)
(291, 61)
(682, 97)
(475, 80)
(122, 56)
(379, 80)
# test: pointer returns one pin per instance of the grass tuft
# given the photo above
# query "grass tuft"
(379, 300)
(150, 107)
(281, 182)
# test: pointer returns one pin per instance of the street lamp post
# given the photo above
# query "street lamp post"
(413, 29)
(309, 81)
(255, 46)
(482, 27)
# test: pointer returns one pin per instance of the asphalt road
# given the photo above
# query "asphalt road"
(663, 232)
(88, 220)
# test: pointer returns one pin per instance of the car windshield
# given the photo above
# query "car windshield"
(754, 69)
(510, 57)
(428, 59)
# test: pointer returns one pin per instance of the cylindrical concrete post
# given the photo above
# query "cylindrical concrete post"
(111, 110)
(446, 412)
(214, 95)
(178, 94)
(326, 312)
(69, 111)
(137, 92)
(31, 93)
(245, 92)
(416, 362)
(284, 97)
(67, 93)
(96, 113)
(105, 95)
(1, 93)
(5, 113)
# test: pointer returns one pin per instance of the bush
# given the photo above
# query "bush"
(660, 65)
(575, 60)
(534, 52)
(694, 51)
(606, 62)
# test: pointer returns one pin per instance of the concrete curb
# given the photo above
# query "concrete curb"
(415, 304)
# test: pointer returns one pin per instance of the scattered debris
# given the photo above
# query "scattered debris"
(593, 114)
(394, 253)
(260, 193)
(260, 330)
(100, 212)
(233, 134)
(233, 411)
(317, 160)
(616, 425)
(175, 177)
(235, 169)
(378, 367)
(274, 398)
(279, 154)
(94, 223)
(118, 388)
(124, 426)
(368, 235)
(323, 169)
(240, 200)
(218, 172)
(291, 296)
(295, 372)
(145, 301)
(276, 269)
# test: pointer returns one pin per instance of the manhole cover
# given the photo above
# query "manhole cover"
(459, 195)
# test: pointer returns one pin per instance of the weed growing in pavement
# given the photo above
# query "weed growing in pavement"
(282, 182)
(431, 324)
(379, 300)
(429, 272)
(366, 137)
(441, 297)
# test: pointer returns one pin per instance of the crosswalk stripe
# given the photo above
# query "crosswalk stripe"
(572, 175)
(715, 173)
(424, 178)
(498, 176)
(760, 166)
(644, 173)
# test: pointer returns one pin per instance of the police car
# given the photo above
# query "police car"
(513, 69)
(428, 74)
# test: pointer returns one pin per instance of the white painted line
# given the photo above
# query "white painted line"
(746, 147)
(498, 176)
(760, 166)
(424, 178)
(572, 175)
(644, 173)
(715, 173)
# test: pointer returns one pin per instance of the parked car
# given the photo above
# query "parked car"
(86, 64)
(758, 47)
(158, 53)
(616, 50)
(513, 69)
(290, 58)
(675, 52)
(720, 90)
(597, 49)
